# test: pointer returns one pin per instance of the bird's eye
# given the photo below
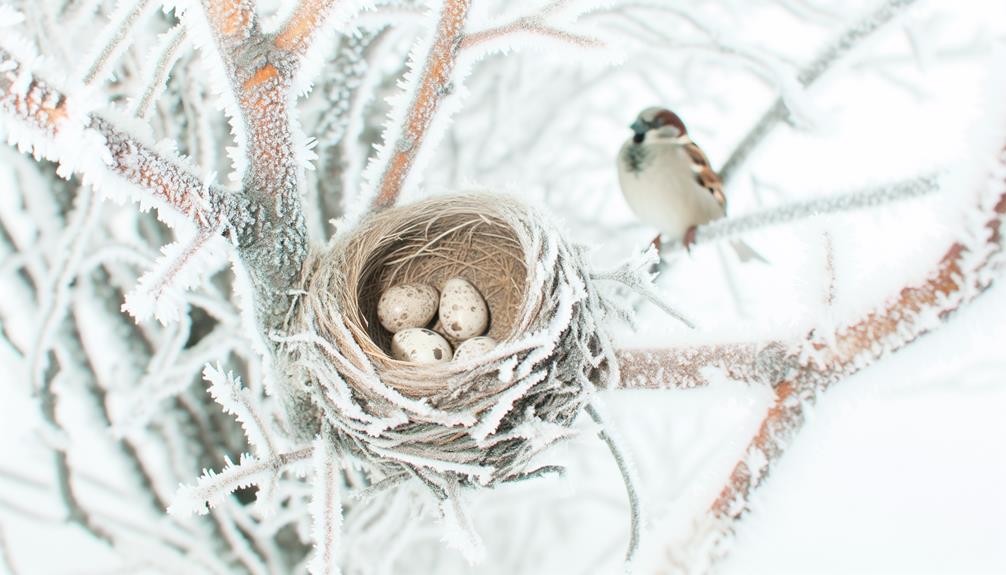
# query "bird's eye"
(638, 137)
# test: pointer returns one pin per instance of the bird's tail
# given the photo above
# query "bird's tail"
(746, 253)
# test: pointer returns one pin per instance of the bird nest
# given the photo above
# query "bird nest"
(477, 421)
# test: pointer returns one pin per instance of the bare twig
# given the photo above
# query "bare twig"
(434, 85)
(684, 367)
(628, 473)
(731, 228)
(307, 18)
(534, 25)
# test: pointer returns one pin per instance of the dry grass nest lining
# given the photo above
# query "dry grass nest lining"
(478, 420)
(432, 248)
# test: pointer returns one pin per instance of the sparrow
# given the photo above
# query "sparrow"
(668, 182)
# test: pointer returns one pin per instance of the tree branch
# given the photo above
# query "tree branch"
(274, 243)
(434, 84)
(730, 228)
(685, 367)
(38, 105)
(803, 369)
(306, 20)
(233, 23)
(535, 25)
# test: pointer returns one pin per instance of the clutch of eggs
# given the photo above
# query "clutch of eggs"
(462, 317)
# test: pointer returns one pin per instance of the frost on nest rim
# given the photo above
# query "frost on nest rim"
(476, 422)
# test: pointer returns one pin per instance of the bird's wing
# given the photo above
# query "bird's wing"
(704, 173)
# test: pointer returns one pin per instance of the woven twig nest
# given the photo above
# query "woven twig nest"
(478, 421)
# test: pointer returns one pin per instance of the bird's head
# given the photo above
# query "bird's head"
(666, 122)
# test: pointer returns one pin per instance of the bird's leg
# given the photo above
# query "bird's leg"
(690, 238)
(659, 265)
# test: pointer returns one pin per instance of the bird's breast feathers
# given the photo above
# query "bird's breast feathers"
(660, 182)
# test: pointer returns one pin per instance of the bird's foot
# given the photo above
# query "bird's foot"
(658, 265)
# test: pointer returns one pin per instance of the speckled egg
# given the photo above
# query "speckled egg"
(474, 347)
(420, 345)
(463, 312)
(407, 306)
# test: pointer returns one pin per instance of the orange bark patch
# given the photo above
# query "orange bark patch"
(302, 24)
(230, 17)
(262, 75)
(40, 104)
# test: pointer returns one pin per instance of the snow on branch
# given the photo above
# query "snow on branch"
(434, 83)
(686, 367)
(536, 25)
(227, 390)
(305, 22)
(159, 292)
(212, 488)
(258, 100)
(233, 23)
(113, 41)
(801, 369)
(731, 228)
(165, 54)
(39, 117)
(148, 169)
(326, 509)
(628, 471)
(28, 98)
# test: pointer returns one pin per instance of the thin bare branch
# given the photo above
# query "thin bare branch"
(731, 228)
(434, 84)
(307, 18)
(684, 367)
(534, 25)
(165, 57)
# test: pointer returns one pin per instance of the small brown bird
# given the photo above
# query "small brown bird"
(667, 181)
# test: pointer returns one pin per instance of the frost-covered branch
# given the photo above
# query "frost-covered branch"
(274, 240)
(127, 15)
(212, 488)
(535, 24)
(6, 561)
(433, 85)
(234, 24)
(685, 367)
(730, 228)
(164, 55)
(326, 508)
(779, 112)
(39, 117)
(800, 370)
(306, 21)
(628, 471)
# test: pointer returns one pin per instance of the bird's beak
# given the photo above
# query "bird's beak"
(639, 128)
